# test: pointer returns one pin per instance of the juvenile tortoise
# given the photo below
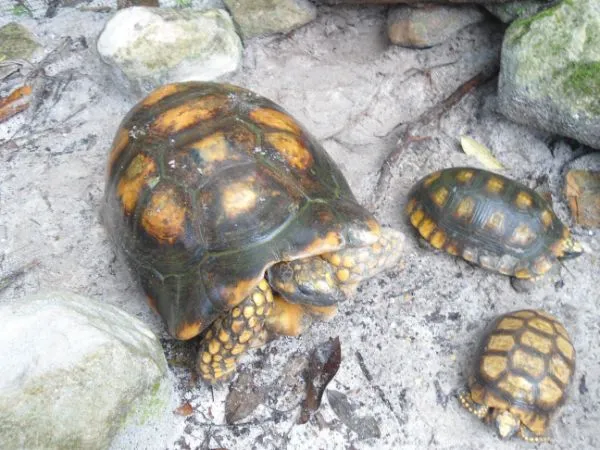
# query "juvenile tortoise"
(489, 220)
(216, 195)
(524, 368)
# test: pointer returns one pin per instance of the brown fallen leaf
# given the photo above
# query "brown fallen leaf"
(184, 410)
(365, 426)
(15, 102)
(323, 364)
(243, 398)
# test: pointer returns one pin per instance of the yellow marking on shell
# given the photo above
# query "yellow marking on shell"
(495, 223)
(492, 366)
(500, 342)
(523, 200)
(517, 387)
(523, 236)
(119, 144)
(248, 311)
(417, 217)
(487, 262)
(235, 294)
(188, 331)
(245, 336)
(452, 248)
(237, 349)
(478, 393)
(292, 148)
(532, 364)
(494, 401)
(546, 217)
(438, 239)
(560, 369)
(140, 170)
(330, 243)
(565, 348)
(275, 119)
(542, 265)
(426, 228)
(541, 344)
(536, 424)
(188, 114)
(494, 185)
(524, 314)
(509, 323)
(465, 209)
(523, 273)
(164, 216)
(561, 330)
(410, 206)
(470, 255)
(550, 393)
(541, 325)
(431, 178)
(343, 275)
(213, 147)
(158, 94)
(440, 196)
(238, 198)
(464, 176)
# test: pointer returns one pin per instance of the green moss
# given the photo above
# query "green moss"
(522, 26)
(583, 80)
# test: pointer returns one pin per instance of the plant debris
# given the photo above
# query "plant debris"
(243, 398)
(365, 426)
(17, 101)
(483, 154)
(323, 364)
(184, 410)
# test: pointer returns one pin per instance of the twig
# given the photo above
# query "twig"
(433, 113)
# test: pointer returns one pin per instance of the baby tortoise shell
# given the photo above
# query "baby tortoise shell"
(525, 365)
(209, 186)
(489, 220)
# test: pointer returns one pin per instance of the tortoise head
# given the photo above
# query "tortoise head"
(571, 248)
(507, 424)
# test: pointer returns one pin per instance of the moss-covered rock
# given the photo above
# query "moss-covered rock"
(16, 42)
(550, 71)
(520, 9)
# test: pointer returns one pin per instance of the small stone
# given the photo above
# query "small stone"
(16, 42)
(550, 71)
(261, 17)
(425, 27)
(582, 189)
(74, 371)
(154, 46)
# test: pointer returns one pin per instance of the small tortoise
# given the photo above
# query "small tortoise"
(216, 195)
(525, 365)
(489, 220)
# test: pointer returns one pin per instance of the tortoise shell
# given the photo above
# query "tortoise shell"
(489, 220)
(208, 186)
(525, 365)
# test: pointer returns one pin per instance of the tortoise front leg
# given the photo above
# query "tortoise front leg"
(292, 319)
(474, 408)
(231, 335)
(529, 436)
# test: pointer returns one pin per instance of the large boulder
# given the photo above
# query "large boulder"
(75, 372)
(154, 46)
(550, 71)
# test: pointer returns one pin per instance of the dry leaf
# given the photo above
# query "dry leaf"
(243, 398)
(323, 364)
(184, 410)
(483, 154)
(366, 427)
(15, 102)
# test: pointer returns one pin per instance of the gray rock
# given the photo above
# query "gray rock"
(16, 42)
(153, 46)
(74, 372)
(425, 27)
(550, 71)
(507, 12)
(260, 17)
(390, 2)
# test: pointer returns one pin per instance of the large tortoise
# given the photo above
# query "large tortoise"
(489, 220)
(215, 195)
(525, 366)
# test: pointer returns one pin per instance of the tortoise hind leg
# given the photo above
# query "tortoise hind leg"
(231, 335)
(529, 436)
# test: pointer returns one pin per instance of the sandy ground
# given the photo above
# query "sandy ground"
(408, 338)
